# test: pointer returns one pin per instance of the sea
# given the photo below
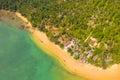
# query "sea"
(22, 59)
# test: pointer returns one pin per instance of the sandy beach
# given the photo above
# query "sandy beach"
(76, 67)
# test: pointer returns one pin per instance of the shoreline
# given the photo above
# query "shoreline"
(74, 66)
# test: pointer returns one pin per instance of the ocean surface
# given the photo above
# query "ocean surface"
(21, 59)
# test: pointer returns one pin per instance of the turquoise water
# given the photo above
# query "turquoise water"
(21, 59)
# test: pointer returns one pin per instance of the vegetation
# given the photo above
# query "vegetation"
(76, 57)
(94, 23)
(70, 51)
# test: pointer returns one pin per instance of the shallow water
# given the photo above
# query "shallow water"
(21, 59)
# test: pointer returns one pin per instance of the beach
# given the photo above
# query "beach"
(74, 66)
(22, 59)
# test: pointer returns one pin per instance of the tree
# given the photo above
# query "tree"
(76, 57)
